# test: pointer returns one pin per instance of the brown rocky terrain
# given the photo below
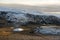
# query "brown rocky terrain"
(7, 34)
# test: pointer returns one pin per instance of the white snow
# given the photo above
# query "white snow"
(18, 29)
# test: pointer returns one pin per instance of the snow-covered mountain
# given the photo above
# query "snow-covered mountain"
(23, 16)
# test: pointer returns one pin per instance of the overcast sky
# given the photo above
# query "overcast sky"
(32, 2)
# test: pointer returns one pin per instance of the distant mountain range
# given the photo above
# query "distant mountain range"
(44, 8)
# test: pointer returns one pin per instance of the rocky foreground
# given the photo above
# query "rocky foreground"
(7, 34)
